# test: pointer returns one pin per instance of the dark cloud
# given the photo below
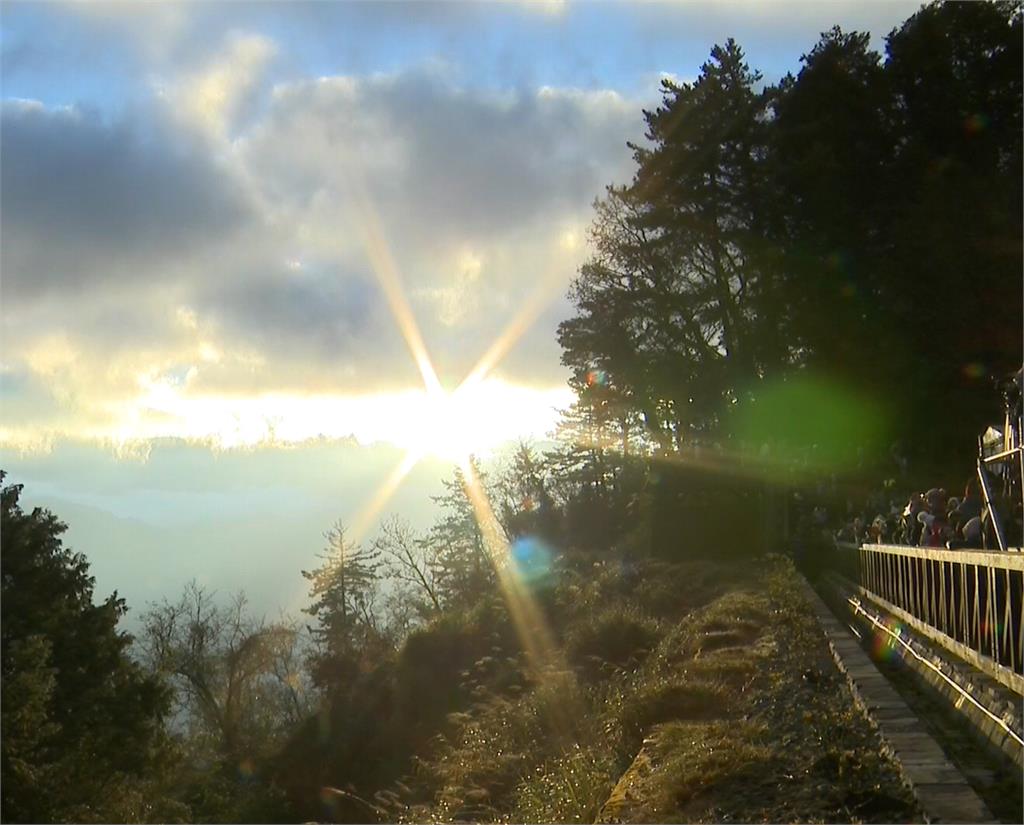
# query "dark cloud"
(176, 249)
(447, 162)
(88, 200)
(320, 316)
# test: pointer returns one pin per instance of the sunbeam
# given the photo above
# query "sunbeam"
(364, 519)
(526, 615)
(386, 271)
(516, 328)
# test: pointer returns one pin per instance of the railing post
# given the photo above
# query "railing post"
(991, 614)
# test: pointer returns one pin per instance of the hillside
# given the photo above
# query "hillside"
(698, 692)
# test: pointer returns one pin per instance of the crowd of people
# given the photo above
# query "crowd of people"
(929, 519)
(832, 513)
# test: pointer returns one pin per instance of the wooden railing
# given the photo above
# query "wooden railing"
(968, 600)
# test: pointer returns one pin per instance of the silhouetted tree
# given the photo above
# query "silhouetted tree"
(954, 231)
(860, 220)
(899, 183)
(343, 590)
(458, 547)
(239, 679)
(82, 723)
(676, 309)
(524, 502)
(411, 565)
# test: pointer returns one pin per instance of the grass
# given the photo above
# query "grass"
(618, 638)
(570, 787)
(733, 705)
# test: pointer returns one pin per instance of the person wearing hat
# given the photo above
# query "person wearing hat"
(935, 532)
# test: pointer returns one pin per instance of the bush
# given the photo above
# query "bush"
(475, 772)
(674, 590)
(669, 700)
(702, 763)
(617, 639)
(568, 788)
(457, 659)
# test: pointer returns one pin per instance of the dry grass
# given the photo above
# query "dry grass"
(744, 715)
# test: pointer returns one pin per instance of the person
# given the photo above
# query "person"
(935, 529)
(878, 532)
(972, 532)
(970, 505)
(911, 525)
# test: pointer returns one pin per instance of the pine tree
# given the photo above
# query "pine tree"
(82, 724)
(458, 547)
(677, 307)
(342, 589)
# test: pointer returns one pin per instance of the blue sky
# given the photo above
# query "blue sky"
(234, 233)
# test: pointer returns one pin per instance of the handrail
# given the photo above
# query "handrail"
(897, 638)
(970, 600)
(989, 459)
(1011, 560)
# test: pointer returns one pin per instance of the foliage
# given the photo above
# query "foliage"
(672, 307)
(860, 220)
(478, 766)
(239, 680)
(614, 639)
(411, 566)
(903, 241)
(241, 689)
(567, 788)
(81, 722)
(342, 590)
(457, 543)
(524, 501)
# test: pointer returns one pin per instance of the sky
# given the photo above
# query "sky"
(258, 260)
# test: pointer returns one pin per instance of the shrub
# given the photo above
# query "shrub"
(569, 788)
(617, 639)
(502, 742)
(697, 761)
(669, 700)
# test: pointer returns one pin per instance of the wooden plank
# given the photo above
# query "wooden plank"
(940, 788)
(951, 803)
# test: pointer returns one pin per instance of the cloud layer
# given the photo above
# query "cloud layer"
(214, 241)
(213, 219)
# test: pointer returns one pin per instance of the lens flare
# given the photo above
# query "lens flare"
(246, 770)
(974, 370)
(885, 647)
(367, 222)
(531, 560)
(976, 124)
(526, 616)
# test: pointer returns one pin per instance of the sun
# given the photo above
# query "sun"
(454, 425)
(477, 419)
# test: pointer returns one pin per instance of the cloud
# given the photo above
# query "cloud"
(474, 161)
(90, 200)
(213, 241)
(216, 95)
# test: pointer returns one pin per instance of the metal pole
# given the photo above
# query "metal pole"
(987, 494)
